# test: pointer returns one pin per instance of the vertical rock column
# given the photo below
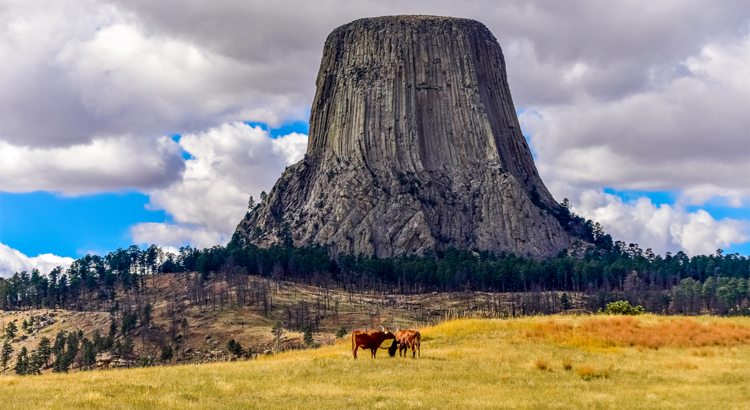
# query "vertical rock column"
(414, 144)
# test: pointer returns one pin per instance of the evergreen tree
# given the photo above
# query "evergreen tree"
(35, 364)
(146, 315)
(5, 354)
(166, 353)
(341, 332)
(565, 301)
(43, 350)
(277, 332)
(234, 347)
(25, 326)
(59, 346)
(128, 322)
(112, 329)
(73, 347)
(22, 362)
(88, 353)
(97, 340)
(10, 331)
(126, 348)
(307, 337)
(184, 327)
(61, 363)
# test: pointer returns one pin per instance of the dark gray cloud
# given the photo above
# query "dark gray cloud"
(84, 69)
(622, 43)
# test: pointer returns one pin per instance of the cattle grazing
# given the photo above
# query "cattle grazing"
(409, 339)
(370, 340)
(393, 348)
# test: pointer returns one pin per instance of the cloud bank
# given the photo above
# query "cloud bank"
(12, 261)
(663, 228)
(229, 164)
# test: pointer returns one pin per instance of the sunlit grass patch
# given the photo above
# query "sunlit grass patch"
(465, 364)
(567, 364)
(625, 331)
(681, 364)
(703, 352)
(541, 364)
(586, 372)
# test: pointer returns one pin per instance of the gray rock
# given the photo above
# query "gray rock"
(414, 144)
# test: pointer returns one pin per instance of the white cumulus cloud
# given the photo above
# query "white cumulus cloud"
(109, 164)
(229, 164)
(13, 261)
(660, 227)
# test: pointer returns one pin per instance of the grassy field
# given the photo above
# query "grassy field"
(623, 363)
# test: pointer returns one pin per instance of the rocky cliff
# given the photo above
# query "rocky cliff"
(414, 144)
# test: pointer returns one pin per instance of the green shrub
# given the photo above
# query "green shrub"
(565, 301)
(144, 361)
(307, 337)
(166, 353)
(341, 331)
(622, 307)
(234, 347)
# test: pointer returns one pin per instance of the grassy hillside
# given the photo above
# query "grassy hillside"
(614, 362)
(220, 317)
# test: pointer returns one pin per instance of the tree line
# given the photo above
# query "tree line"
(715, 283)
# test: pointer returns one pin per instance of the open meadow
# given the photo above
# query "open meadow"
(534, 362)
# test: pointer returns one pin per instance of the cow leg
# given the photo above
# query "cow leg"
(355, 351)
(413, 351)
(375, 350)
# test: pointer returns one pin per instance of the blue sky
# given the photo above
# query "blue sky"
(43, 222)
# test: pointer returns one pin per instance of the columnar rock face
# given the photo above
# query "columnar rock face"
(414, 144)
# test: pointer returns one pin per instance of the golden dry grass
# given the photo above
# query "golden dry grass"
(541, 364)
(567, 364)
(464, 364)
(629, 331)
(586, 372)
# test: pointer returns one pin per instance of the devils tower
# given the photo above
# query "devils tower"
(414, 144)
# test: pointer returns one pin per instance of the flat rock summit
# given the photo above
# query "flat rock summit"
(414, 144)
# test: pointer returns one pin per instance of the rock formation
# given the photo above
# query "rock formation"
(414, 144)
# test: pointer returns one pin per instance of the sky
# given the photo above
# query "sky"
(147, 122)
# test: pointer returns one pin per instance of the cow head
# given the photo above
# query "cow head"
(388, 334)
(393, 348)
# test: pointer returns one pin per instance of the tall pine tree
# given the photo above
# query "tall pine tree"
(5, 354)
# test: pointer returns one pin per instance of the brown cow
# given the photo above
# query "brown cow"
(370, 340)
(409, 339)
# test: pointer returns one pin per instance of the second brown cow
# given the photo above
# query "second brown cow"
(409, 339)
